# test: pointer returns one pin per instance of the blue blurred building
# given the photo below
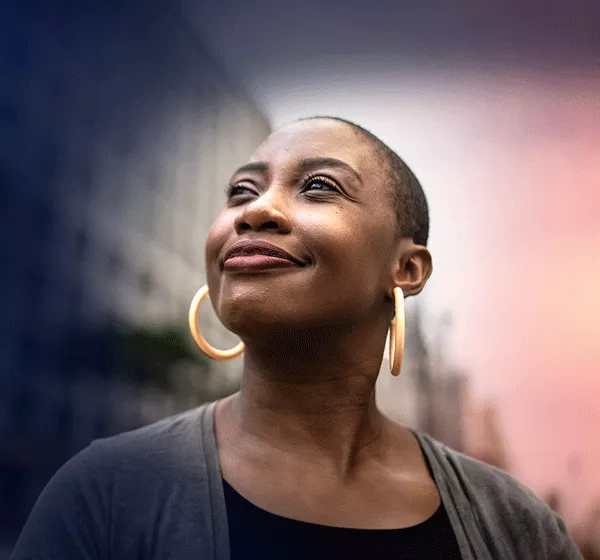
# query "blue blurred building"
(118, 134)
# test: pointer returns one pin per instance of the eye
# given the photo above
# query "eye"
(320, 184)
(233, 191)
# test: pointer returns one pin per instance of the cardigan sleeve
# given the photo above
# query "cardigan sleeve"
(564, 548)
(515, 521)
(140, 494)
(498, 510)
(69, 519)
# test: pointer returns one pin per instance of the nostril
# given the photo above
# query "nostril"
(244, 226)
(270, 225)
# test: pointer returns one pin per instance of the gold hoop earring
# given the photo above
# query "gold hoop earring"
(209, 350)
(397, 333)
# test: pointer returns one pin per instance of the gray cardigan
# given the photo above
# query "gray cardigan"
(157, 493)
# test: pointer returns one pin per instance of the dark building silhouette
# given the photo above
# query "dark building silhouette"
(406, 398)
(118, 137)
(428, 395)
(435, 397)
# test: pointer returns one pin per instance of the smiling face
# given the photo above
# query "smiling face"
(307, 237)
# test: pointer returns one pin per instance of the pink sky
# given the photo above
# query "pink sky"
(526, 303)
(511, 166)
(535, 332)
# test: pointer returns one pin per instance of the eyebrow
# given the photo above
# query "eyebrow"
(307, 163)
(256, 167)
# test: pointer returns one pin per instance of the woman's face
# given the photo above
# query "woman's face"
(317, 191)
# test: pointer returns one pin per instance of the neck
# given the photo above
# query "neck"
(313, 395)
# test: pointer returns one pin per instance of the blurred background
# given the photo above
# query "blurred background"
(120, 123)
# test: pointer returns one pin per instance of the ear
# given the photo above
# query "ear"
(412, 267)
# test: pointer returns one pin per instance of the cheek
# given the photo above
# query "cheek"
(352, 251)
(217, 235)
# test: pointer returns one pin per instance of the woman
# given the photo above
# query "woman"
(324, 230)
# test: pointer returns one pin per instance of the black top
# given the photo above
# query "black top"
(258, 534)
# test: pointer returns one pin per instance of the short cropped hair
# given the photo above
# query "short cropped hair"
(412, 212)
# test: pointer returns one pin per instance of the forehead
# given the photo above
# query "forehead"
(318, 138)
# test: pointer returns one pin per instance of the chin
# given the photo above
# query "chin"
(249, 313)
(248, 325)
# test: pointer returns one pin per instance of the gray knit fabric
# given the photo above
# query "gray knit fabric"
(156, 493)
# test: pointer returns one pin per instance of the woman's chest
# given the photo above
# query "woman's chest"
(370, 500)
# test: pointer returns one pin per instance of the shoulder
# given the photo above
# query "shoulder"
(147, 460)
(136, 467)
(488, 481)
(148, 451)
(182, 434)
(506, 510)
(114, 493)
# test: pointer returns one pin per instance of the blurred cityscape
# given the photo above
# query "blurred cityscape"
(118, 135)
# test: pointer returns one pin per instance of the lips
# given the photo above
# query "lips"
(258, 255)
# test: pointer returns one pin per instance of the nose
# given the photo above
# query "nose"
(263, 214)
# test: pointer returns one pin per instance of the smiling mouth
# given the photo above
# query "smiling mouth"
(258, 256)
(257, 263)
